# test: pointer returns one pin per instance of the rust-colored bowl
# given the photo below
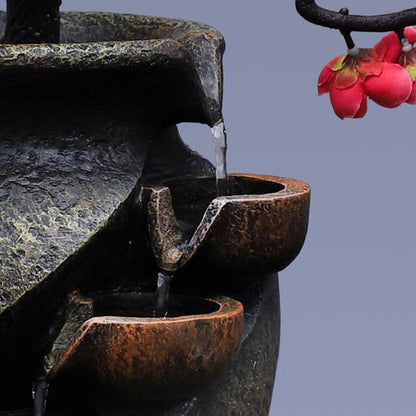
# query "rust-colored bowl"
(259, 227)
(125, 351)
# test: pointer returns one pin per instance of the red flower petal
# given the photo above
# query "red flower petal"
(349, 102)
(410, 33)
(412, 97)
(367, 68)
(346, 78)
(363, 108)
(325, 80)
(388, 49)
(327, 75)
(391, 88)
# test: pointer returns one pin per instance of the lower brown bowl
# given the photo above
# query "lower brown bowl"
(146, 358)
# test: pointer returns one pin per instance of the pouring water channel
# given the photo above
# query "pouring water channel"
(164, 278)
(219, 139)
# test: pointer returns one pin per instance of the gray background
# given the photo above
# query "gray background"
(348, 302)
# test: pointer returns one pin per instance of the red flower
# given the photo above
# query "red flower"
(343, 79)
(350, 78)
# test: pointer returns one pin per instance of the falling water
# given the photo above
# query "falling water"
(219, 138)
(40, 394)
(164, 280)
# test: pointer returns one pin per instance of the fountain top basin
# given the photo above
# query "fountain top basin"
(92, 41)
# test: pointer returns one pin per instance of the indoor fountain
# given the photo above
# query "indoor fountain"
(136, 277)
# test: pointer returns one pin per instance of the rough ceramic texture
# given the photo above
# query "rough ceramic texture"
(47, 216)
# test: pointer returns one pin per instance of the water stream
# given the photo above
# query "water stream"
(219, 139)
(164, 280)
(40, 394)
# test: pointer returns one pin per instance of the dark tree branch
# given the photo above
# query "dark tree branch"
(310, 11)
(32, 21)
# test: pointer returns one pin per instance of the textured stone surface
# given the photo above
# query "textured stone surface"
(54, 196)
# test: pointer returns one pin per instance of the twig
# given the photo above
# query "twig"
(310, 11)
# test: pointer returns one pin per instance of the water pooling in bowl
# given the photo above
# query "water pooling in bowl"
(192, 195)
(140, 305)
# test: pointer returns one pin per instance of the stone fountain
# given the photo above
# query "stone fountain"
(100, 198)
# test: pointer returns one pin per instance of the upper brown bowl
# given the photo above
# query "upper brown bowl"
(259, 227)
